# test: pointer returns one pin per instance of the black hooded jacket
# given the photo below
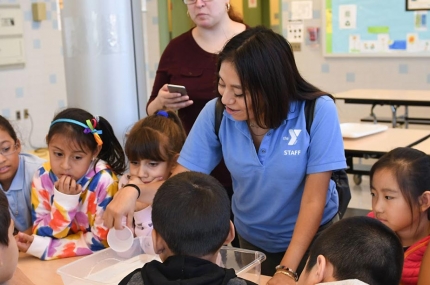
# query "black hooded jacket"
(183, 270)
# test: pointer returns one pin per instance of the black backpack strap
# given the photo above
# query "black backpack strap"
(338, 176)
(309, 114)
(219, 114)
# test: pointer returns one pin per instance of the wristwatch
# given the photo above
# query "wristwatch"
(287, 271)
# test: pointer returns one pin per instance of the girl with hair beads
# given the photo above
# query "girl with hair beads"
(400, 189)
(152, 148)
(16, 173)
(70, 194)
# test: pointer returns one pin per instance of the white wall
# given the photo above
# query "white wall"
(39, 85)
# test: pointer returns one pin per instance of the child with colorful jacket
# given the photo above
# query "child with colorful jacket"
(71, 192)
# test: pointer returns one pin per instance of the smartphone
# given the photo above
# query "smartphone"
(177, 89)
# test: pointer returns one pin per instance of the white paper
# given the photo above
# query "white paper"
(425, 45)
(354, 43)
(384, 42)
(295, 31)
(370, 46)
(347, 16)
(301, 10)
(420, 19)
(252, 3)
(412, 42)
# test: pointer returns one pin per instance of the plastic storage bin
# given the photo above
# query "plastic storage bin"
(108, 267)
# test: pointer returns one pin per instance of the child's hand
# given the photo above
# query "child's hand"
(68, 185)
(133, 179)
(23, 241)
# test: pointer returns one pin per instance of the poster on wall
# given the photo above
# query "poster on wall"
(374, 28)
(252, 3)
(301, 10)
(412, 5)
(295, 31)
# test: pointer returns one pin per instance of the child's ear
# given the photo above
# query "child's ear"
(97, 151)
(18, 142)
(174, 162)
(160, 246)
(321, 268)
(156, 239)
(425, 201)
(231, 234)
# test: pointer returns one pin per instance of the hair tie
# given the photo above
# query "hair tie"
(95, 132)
(88, 128)
(162, 113)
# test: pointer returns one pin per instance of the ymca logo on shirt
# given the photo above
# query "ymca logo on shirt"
(294, 134)
(292, 140)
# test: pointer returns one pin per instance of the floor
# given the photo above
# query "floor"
(360, 203)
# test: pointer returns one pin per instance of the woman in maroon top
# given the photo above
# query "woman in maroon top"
(190, 60)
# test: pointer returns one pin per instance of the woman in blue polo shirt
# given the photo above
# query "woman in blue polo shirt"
(283, 194)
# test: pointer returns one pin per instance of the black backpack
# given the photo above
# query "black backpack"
(338, 176)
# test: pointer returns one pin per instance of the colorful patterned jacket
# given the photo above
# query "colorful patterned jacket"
(70, 225)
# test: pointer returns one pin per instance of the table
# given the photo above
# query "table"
(424, 146)
(376, 145)
(393, 98)
(45, 272)
(41, 272)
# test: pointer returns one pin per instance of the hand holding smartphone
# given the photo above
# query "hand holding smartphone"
(177, 89)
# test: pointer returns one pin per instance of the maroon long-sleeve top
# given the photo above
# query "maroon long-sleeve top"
(184, 62)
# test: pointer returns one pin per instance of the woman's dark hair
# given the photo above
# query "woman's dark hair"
(4, 219)
(7, 127)
(158, 137)
(265, 65)
(111, 152)
(411, 168)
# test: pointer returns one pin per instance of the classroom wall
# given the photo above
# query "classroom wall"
(341, 74)
(152, 39)
(39, 85)
(238, 6)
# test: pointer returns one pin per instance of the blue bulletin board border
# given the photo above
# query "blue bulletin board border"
(369, 28)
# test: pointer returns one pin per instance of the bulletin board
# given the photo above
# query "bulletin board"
(374, 28)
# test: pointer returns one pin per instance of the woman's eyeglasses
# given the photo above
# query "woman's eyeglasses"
(189, 2)
(9, 150)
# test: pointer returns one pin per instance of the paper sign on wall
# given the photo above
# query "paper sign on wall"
(301, 10)
(252, 3)
(295, 31)
(420, 18)
(347, 16)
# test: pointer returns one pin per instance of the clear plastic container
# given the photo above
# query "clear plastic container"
(108, 267)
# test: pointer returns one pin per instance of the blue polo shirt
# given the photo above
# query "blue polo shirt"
(268, 184)
(19, 193)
